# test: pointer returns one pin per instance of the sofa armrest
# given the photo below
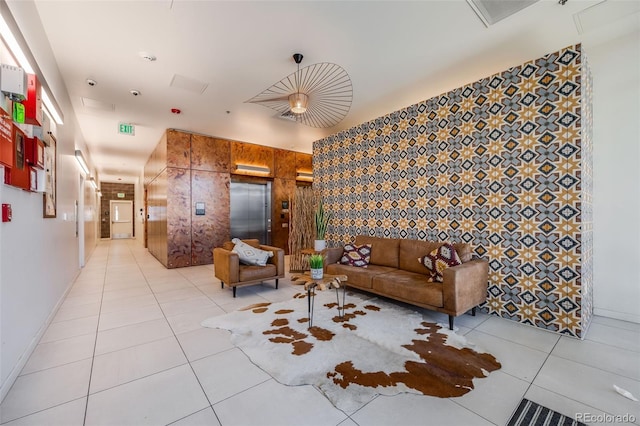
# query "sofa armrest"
(226, 265)
(277, 258)
(332, 255)
(465, 286)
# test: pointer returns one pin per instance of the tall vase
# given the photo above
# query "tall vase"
(319, 245)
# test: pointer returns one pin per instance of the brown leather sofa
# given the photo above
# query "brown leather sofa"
(395, 272)
(229, 270)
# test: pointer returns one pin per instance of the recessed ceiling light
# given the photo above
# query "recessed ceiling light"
(91, 82)
(149, 57)
(135, 92)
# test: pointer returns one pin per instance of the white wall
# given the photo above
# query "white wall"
(615, 67)
(40, 257)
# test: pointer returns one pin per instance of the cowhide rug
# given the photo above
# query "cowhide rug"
(377, 348)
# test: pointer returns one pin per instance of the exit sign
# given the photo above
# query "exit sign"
(126, 129)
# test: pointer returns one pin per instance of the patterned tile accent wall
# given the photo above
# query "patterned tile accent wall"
(498, 163)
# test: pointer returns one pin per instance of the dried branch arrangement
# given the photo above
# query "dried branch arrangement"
(301, 227)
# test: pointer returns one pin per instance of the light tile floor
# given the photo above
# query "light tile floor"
(126, 348)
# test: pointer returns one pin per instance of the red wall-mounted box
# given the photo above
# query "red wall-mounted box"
(33, 103)
(34, 150)
(20, 172)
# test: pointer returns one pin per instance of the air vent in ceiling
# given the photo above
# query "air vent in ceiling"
(287, 115)
(188, 83)
(96, 104)
(492, 11)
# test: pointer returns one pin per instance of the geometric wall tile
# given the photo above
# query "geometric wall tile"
(504, 163)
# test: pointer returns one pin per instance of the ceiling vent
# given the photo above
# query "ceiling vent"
(96, 104)
(287, 115)
(492, 11)
(187, 83)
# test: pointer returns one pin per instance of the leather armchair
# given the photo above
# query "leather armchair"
(229, 270)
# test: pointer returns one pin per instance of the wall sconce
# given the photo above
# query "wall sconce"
(304, 176)
(256, 169)
(82, 162)
(93, 183)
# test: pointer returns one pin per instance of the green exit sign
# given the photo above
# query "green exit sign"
(126, 129)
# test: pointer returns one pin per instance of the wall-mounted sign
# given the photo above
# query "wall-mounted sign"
(120, 195)
(126, 129)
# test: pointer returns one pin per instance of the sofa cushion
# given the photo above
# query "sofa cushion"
(250, 255)
(355, 255)
(464, 251)
(358, 277)
(410, 287)
(384, 251)
(440, 259)
(410, 250)
(250, 272)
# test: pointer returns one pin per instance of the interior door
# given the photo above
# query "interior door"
(121, 219)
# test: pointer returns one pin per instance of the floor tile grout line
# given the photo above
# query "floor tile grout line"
(546, 359)
(571, 399)
(44, 409)
(188, 362)
(95, 343)
(511, 341)
(594, 367)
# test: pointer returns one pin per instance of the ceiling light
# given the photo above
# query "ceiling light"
(249, 168)
(93, 183)
(298, 103)
(82, 162)
(135, 92)
(91, 82)
(54, 112)
(14, 47)
(317, 95)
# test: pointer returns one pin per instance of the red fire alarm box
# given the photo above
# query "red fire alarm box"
(6, 212)
(33, 103)
(20, 173)
(6, 139)
(34, 150)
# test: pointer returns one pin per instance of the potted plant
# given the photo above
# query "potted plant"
(322, 220)
(316, 262)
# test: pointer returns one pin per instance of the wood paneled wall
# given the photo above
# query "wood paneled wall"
(186, 168)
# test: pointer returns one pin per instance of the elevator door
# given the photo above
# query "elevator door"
(251, 211)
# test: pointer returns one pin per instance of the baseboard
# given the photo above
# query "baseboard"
(622, 316)
(15, 372)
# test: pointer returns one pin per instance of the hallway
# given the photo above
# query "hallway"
(126, 348)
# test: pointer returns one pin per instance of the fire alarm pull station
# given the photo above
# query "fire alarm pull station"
(6, 212)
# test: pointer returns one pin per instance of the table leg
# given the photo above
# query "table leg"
(341, 308)
(311, 297)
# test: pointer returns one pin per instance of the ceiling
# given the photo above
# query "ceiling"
(396, 54)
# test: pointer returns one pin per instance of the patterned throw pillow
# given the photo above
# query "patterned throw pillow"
(249, 255)
(356, 255)
(439, 260)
